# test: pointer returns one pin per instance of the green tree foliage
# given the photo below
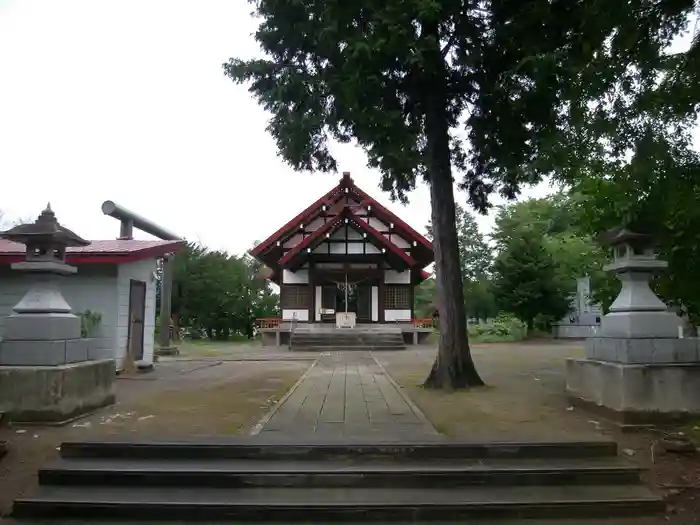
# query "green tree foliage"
(480, 301)
(558, 220)
(526, 282)
(218, 293)
(424, 298)
(475, 258)
(660, 193)
(541, 87)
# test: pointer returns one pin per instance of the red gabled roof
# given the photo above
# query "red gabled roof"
(100, 252)
(366, 199)
(257, 250)
(337, 221)
(328, 198)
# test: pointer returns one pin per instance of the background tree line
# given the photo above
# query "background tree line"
(218, 295)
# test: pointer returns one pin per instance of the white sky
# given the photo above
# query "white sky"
(112, 99)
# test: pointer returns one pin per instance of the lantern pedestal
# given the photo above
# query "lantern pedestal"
(637, 370)
(56, 394)
(48, 372)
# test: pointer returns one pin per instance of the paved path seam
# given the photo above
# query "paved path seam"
(270, 413)
(414, 408)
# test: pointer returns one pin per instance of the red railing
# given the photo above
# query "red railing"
(423, 322)
(269, 322)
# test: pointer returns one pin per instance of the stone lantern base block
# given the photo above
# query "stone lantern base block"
(51, 353)
(635, 394)
(56, 394)
(640, 324)
(42, 327)
(643, 351)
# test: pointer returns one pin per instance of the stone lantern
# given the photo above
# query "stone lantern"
(47, 372)
(636, 312)
(637, 370)
(43, 306)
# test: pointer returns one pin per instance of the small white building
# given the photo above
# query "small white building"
(116, 279)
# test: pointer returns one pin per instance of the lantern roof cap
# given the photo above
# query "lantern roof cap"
(639, 232)
(44, 229)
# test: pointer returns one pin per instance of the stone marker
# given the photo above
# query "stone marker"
(637, 370)
(47, 371)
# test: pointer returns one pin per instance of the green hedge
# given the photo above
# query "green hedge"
(503, 328)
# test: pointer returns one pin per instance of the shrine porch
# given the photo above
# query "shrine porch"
(276, 332)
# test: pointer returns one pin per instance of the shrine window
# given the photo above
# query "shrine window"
(397, 297)
(295, 297)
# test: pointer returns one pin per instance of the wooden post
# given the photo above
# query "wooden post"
(166, 288)
(312, 293)
(380, 293)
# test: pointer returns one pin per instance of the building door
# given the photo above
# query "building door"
(137, 317)
(328, 303)
(364, 304)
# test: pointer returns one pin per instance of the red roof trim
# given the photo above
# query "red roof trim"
(394, 218)
(310, 212)
(330, 225)
(106, 257)
(386, 242)
(257, 250)
(306, 242)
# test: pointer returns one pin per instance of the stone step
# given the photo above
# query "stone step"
(333, 504)
(340, 342)
(372, 473)
(645, 520)
(349, 342)
(334, 449)
(356, 348)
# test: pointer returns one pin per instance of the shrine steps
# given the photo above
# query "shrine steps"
(253, 480)
(310, 340)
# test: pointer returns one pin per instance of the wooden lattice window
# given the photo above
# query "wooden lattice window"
(397, 297)
(295, 297)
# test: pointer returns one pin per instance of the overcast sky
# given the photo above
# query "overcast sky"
(126, 100)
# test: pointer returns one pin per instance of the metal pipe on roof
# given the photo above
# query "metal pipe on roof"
(131, 220)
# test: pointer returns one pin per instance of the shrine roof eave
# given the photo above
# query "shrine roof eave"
(376, 238)
(303, 216)
(425, 247)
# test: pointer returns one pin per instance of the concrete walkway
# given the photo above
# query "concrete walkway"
(347, 394)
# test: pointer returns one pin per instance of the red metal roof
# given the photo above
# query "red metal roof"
(103, 251)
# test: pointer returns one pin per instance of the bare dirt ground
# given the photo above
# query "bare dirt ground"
(524, 400)
(179, 399)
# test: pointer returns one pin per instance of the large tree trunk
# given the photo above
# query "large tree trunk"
(453, 367)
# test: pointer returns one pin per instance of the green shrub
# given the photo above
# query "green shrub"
(89, 321)
(503, 328)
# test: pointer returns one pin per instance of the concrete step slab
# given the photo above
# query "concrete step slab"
(358, 348)
(322, 448)
(349, 473)
(331, 504)
(643, 520)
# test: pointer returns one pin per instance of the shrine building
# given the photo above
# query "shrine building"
(346, 260)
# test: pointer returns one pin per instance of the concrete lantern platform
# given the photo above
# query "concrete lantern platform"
(56, 394)
(638, 371)
(635, 394)
(48, 372)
